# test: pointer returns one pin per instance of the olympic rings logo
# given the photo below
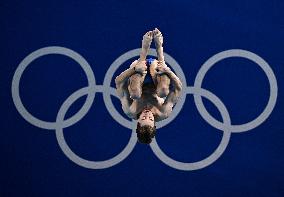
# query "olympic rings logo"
(107, 91)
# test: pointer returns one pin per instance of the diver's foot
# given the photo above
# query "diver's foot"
(147, 40)
(158, 38)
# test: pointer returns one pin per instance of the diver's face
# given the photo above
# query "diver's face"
(146, 118)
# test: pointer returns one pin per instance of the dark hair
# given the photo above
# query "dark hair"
(145, 133)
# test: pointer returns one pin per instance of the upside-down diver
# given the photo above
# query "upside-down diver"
(148, 99)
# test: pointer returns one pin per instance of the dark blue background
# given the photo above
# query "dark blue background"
(32, 163)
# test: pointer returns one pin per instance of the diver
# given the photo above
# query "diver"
(148, 90)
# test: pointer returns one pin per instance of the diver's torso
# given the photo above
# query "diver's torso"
(150, 100)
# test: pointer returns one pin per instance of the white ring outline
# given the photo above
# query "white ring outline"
(186, 166)
(25, 63)
(74, 157)
(267, 70)
(118, 62)
(93, 88)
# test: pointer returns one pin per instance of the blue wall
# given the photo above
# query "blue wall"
(32, 162)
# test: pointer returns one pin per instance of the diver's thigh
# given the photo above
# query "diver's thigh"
(135, 85)
(163, 85)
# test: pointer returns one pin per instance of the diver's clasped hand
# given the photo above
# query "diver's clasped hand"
(162, 68)
(140, 67)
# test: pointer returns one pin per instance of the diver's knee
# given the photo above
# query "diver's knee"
(135, 94)
(163, 84)
(135, 91)
(163, 91)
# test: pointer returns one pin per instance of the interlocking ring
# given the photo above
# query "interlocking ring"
(115, 65)
(269, 74)
(109, 91)
(24, 64)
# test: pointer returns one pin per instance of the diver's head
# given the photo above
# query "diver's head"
(146, 128)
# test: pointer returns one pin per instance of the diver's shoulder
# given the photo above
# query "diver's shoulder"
(161, 116)
(130, 114)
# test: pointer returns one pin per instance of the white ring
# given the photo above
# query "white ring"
(107, 83)
(218, 151)
(107, 91)
(25, 63)
(267, 70)
(70, 154)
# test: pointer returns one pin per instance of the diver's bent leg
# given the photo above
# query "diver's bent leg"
(146, 42)
(159, 40)
(162, 82)
(163, 85)
(136, 80)
(135, 85)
